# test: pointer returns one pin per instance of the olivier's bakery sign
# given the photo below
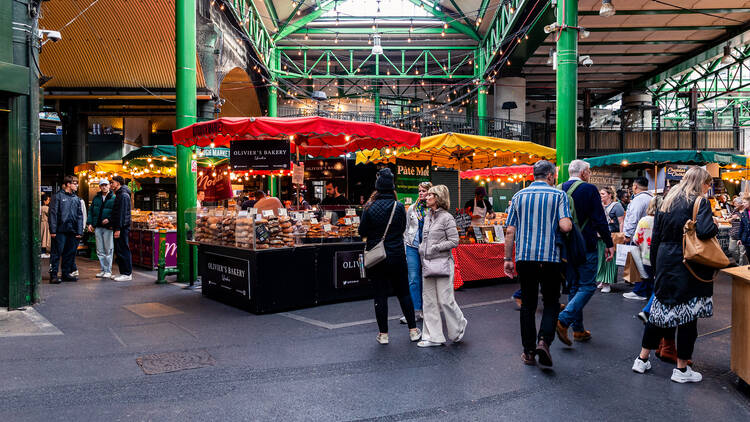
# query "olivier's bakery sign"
(227, 274)
(265, 154)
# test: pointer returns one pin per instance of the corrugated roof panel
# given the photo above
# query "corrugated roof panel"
(113, 44)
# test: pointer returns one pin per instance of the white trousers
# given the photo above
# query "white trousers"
(437, 295)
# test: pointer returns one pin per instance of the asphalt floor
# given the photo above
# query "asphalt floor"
(324, 364)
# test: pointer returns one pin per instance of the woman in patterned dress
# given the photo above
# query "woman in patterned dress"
(680, 297)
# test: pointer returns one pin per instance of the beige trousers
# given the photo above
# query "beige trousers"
(437, 295)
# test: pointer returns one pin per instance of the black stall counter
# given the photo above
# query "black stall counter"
(273, 280)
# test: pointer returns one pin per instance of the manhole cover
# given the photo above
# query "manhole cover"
(161, 363)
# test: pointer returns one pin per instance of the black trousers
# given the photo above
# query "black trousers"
(391, 273)
(686, 336)
(122, 253)
(532, 275)
(64, 246)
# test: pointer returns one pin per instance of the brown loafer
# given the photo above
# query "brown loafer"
(582, 335)
(542, 350)
(562, 334)
(518, 301)
(528, 358)
(562, 307)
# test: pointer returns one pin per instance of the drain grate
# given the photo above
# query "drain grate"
(162, 363)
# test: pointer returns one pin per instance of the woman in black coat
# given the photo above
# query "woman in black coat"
(391, 272)
(680, 298)
(744, 234)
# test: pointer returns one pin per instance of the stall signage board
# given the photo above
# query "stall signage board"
(268, 154)
(216, 188)
(676, 171)
(409, 174)
(227, 273)
(298, 173)
(605, 177)
(347, 265)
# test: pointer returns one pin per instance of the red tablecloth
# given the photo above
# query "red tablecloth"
(478, 262)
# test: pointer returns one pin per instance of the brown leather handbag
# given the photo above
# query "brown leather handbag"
(705, 252)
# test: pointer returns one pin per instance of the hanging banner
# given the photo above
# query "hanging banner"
(217, 188)
(298, 173)
(409, 174)
(267, 154)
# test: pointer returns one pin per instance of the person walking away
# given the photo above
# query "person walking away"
(412, 238)
(46, 240)
(637, 210)
(588, 215)
(383, 216)
(65, 227)
(479, 207)
(536, 217)
(440, 236)
(101, 210)
(606, 274)
(119, 223)
(680, 297)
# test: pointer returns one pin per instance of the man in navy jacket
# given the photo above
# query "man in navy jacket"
(66, 228)
(592, 222)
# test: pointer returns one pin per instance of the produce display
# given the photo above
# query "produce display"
(148, 220)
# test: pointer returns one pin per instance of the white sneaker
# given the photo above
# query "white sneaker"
(641, 366)
(100, 274)
(427, 343)
(382, 338)
(107, 275)
(123, 277)
(402, 320)
(606, 288)
(74, 273)
(415, 334)
(600, 285)
(688, 376)
(44, 256)
(461, 335)
(633, 296)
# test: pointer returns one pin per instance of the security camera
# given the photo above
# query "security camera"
(54, 36)
(585, 61)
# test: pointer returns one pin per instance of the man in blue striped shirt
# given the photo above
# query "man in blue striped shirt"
(536, 218)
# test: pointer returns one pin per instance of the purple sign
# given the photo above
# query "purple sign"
(171, 249)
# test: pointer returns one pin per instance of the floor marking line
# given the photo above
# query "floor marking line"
(329, 326)
(715, 331)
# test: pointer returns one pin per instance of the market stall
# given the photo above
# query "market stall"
(271, 260)
(481, 250)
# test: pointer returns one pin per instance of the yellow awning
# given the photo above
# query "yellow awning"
(100, 167)
(463, 152)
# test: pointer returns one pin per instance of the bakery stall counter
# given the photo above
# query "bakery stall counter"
(262, 262)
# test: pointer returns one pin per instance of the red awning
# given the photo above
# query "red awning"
(498, 171)
(316, 136)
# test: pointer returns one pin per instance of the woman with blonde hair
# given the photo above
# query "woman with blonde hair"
(439, 237)
(412, 238)
(680, 297)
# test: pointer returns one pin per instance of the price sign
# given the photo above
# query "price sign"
(499, 234)
(355, 220)
(329, 215)
(351, 211)
(282, 212)
(478, 234)
(298, 173)
(252, 211)
(267, 213)
(326, 227)
(314, 220)
(348, 221)
(242, 213)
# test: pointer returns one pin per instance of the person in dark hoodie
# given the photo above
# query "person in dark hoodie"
(66, 228)
(384, 218)
(119, 223)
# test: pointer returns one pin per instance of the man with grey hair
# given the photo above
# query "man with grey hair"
(588, 215)
(536, 217)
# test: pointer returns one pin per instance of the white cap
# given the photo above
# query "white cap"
(103, 181)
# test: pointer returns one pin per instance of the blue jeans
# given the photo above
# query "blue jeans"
(645, 287)
(582, 286)
(414, 265)
(105, 248)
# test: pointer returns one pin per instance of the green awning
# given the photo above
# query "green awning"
(165, 155)
(662, 157)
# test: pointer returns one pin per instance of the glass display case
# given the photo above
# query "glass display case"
(153, 220)
(267, 229)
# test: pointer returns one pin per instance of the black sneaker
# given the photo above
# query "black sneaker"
(53, 279)
(70, 279)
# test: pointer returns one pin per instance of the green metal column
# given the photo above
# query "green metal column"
(187, 109)
(481, 96)
(376, 100)
(567, 85)
(273, 97)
